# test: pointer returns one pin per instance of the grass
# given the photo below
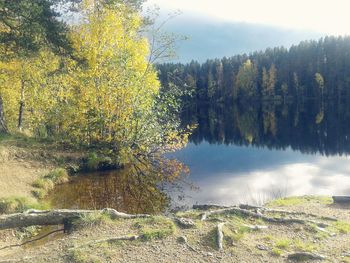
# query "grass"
(19, 204)
(92, 219)
(283, 243)
(305, 247)
(28, 232)
(192, 214)
(210, 239)
(45, 184)
(233, 234)
(81, 256)
(156, 227)
(276, 252)
(298, 200)
(57, 176)
(342, 227)
(22, 140)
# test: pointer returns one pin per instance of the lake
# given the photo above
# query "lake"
(251, 153)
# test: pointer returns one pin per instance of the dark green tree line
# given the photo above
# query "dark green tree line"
(313, 69)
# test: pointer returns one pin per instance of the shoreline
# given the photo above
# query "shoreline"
(284, 230)
(312, 230)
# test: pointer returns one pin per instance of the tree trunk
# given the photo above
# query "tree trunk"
(3, 126)
(55, 217)
(21, 108)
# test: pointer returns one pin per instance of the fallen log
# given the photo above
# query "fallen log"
(245, 212)
(255, 227)
(286, 212)
(208, 207)
(55, 217)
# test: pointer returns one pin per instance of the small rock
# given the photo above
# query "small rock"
(300, 256)
(262, 247)
(182, 240)
(209, 254)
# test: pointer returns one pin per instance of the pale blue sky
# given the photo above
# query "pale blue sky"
(330, 17)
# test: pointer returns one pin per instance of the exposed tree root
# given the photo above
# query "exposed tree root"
(32, 240)
(261, 216)
(325, 231)
(55, 217)
(220, 236)
(184, 222)
(208, 207)
(255, 227)
(285, 212)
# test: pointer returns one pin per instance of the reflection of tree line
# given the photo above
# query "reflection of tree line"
(134, 189)
(312, 126)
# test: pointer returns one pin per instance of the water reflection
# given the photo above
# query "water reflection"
(234, 174)
(129, 190)
(255, 152)
(310, 126)
(238, 153)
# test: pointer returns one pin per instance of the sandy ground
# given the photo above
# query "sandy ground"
(17, 172)
(201, 246)
(21, 164)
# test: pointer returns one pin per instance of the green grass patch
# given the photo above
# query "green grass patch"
(156, 227)
(342, 227)
(92, 219)
(58, 176)
(192, 214)
(283, 243)
(298, 200)
(276, 252)
(24, 141)
(211, 239)
(47, 183)
(232, 234)
(19, 204)
(305, 247)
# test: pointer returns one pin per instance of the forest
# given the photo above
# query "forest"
(311, 70)
(89, 82)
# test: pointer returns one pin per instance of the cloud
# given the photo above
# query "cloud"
(329, 17)
(318, 176)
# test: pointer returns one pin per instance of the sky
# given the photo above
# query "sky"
(324, 16)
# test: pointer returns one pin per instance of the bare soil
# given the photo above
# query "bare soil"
(240, 245)
(21, 163)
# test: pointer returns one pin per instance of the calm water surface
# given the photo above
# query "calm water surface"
(233, 174)
(240, 153)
